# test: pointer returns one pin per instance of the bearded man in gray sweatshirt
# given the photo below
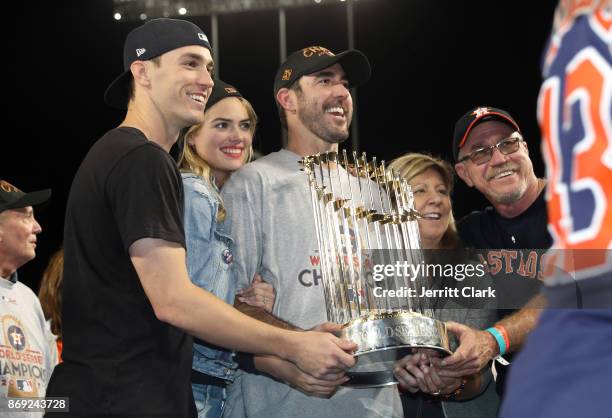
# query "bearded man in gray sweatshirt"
(271, 219)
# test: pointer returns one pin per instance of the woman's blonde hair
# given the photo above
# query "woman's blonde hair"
(190, 161)
(411, 165)
(50, 292)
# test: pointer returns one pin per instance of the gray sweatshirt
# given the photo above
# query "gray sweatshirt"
(270, 213)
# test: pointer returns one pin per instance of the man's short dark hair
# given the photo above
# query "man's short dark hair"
(295, 87)
(157, 62)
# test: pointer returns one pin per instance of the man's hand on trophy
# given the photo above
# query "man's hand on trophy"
(476, 349)
(259, 293)
(334, 329)
(321, 354)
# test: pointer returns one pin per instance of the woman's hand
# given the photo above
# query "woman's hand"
(404, 371)
(259, 293)
(416, 373)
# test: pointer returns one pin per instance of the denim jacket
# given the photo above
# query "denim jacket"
(209, 261)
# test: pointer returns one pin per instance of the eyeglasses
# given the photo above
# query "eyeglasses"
(506, 146)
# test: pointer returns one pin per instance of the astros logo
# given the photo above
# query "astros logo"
(480, 111)
(14, 332)
(16, 337)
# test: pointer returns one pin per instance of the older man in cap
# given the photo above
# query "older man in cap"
(29, 351)
(492, 156)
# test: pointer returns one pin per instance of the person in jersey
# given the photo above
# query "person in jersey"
(129, 307)
(28, 347)
(565, 368)
(510, 236)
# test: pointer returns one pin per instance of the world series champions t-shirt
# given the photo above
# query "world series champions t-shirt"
(118, 357)
(27, 348)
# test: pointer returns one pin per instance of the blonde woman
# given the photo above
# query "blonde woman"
(212, 150)
(432, 392)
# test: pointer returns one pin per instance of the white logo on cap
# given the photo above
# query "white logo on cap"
(202, 37)
(481, 111)
(140, 51)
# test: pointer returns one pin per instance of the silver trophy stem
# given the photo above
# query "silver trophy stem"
(366, 227)
(414, 238)
(389, 243)
(403, 209)
(349, 257)
(328, 252)
(376, 222)
(335, 206)
(360, 291)
(403, 303)
(325, 252)
(410, 284)
(328, 210)
(317, 194)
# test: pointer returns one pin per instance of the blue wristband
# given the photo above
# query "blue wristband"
(499, 338)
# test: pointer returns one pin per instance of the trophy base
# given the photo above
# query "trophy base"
(385, 338)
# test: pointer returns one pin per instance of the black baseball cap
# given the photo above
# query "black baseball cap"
(221, 90)
(154, 38)
(472, 118)
(13, 198)
(315, 58)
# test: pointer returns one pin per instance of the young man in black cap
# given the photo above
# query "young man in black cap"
(128, 301)
(29, 350)
(268, 203)
(492, 156)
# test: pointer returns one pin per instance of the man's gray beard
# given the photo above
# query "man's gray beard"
(510, 197)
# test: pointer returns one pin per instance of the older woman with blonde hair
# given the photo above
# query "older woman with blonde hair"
(212, 151)
(433, 176)
(432, 393)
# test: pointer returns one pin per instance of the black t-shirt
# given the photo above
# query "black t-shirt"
(118, 357)
(512, 250)
(488, 229)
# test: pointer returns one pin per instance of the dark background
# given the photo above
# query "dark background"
(432, 60)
